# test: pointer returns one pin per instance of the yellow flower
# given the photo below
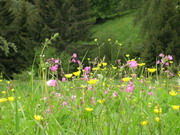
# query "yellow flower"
(12, 90)
(0, 80)
(88, 59)
(171, 62)
(114, 67)
(92, 81)
(141, 64)
(95, 39)
(38, 117)
(173, 93)
(101, 101)
(77, 73)
(11, 98)
(144, 123)
(8, 82)
(89, 109)
(175, 107)
(3, 92)
(179, 73)
(68, 75)
(95, 68)
(158, 110)
(109, 39)
(126, 79)
(3, 100)
(127, 55)
(82, 86)
(157, 119)
(151, 70)
(104, 64)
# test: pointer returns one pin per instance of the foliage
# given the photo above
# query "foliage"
(160, 27)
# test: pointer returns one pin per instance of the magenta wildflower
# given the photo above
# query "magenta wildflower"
(73, 60)
(54, 68)
(170, 57)
(150, 93)
(63, 79)
(161, 55)
(167, 63)
(87, 69)
(74, 55)
(115, 94)
(158, 62)
(130, 87)
(52, 83)
(132, 64)
(64, 103)
(73, 97)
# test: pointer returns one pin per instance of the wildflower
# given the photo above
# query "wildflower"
(3, 100)
(101, 101)
(158, 62)
(11, 98)
(73, 97)
(157, 119)
(130, 87)
(173, 93)
(52, 83)
(95, 39)
(150, 93)
(93, 81)
(175, 107)
(54, 68)
(149, 104)
(104, 64)
(171, 62)
(100, 76)
(73, 60)
(170, 57)
(74, 55)
(109, 39)
(68, 75)
(3, 92)
(0, 80)
(151, 70)
(64, 103)
(157, 111)
(179, 73)
(114, 67)
(141, 64)
(126, 79)
(87, 69)
(144, 123)
(8, 82)
(161, 55)
(38, 117)
(127, 55)
(12, 90)
(92, 100)
(63, 79)
(77, 73)
(115, 94)
(89, 109)
(132, 64)
(95, 68)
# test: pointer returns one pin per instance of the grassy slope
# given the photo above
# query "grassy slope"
(121, 29)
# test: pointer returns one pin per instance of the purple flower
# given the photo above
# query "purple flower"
(73, 60)
(64, 103)
(150, 93)
(132, 64)
(87, 69)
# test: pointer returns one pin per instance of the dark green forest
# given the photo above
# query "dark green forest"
(26, 24)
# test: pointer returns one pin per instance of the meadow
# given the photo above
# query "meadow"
(98, 98)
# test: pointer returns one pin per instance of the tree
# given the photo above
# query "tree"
(160, 27)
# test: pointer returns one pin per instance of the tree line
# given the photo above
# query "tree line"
(24, 24)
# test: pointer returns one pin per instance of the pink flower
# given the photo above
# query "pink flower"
(87, 69)
(63, 79)
(64, 103)
(106, 92)
(52, 83)
(54, 68)
(73, 60)
(90, 87)
(158, 62)
(74, 55)
(150, 93)
(78, 61)
(167, 63)
(115, 94)
(56, 61)
(130, 87)
(132, 64)
(92, 100)
(161, 55)
(170, 57)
